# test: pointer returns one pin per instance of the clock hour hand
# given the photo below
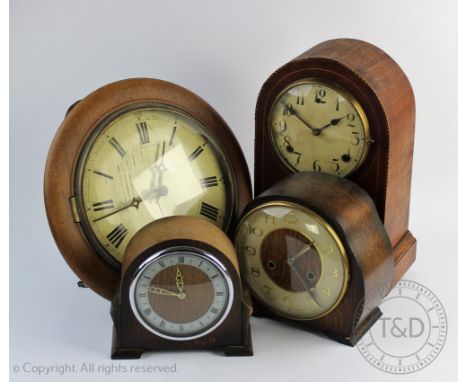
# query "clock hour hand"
(304, 250)
(134, 203)
(333, 122)
(165, 292)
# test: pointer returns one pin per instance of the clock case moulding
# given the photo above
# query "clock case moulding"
(81, 119)
(385, 93)
(352, 214)
(130, 339)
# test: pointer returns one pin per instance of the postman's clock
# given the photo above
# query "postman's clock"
(132, 152)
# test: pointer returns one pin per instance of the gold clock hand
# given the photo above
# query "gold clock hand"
(165, 292)
(300, 253)
(134, 203)
(179, 280)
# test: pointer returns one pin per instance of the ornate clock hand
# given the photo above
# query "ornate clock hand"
(165, 292)
(134, 203)
(179, 280)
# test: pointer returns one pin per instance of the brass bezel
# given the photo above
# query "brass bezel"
(343, 92)
(331, 231)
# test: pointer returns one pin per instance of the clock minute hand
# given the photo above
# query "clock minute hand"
(179, 280)
(165, 292)
(134, 203)
(299, 117)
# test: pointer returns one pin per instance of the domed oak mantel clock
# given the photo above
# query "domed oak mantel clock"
(132, 152)
(343, 107)
(313, 251)
(180, 289)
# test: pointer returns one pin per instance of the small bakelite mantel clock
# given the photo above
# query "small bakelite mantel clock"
(343, 107)
(180, 289)
(312, 249)
(130, 153)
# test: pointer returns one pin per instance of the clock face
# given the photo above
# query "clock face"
(318, 127)
(145, 163)
(183, 294)
(292, 260)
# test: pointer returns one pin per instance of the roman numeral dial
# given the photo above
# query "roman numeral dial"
(181, 294)
(146, 164)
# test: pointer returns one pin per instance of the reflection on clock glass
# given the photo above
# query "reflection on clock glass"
(147, 163)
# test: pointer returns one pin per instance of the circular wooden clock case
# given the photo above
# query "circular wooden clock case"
(180, 289)
(130, 153)
(343, 107)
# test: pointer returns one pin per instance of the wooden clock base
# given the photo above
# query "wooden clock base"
(130, 340)
(351, 339)
(404, 255)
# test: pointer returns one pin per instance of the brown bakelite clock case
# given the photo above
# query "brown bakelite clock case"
(180, 289)
(313, 251)
(132, 152)
(346, 108)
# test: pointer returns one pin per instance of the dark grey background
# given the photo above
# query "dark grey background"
(223, 51)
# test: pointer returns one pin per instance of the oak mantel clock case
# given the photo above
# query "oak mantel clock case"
(180, 289)
(313, 251)
(132, 152)
(343, 107)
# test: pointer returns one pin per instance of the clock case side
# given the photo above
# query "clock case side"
(386, 95)
(130, 339)
(352, 214)
(78, 125)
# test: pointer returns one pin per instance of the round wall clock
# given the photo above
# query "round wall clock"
(311, 249)
(180, 289)
(343, 107)
(132, 152)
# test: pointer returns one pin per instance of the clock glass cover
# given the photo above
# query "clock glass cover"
(292, 260)
(316, 126)
(143, 163)
(181, 294)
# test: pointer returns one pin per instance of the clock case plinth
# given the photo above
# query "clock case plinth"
(352, 214)
(385, 93)
(130, 339)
